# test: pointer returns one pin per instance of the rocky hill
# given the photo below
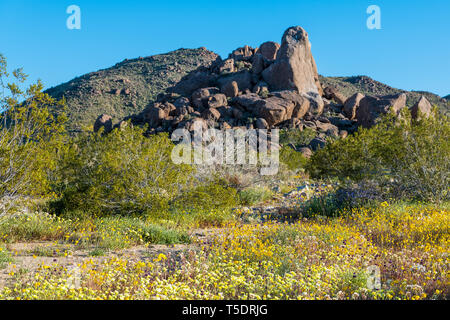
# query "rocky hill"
(350, 85)
(127, 87)
(273, 85)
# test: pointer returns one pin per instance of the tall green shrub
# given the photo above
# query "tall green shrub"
(407, 157)
(31, 138)
(123, 172)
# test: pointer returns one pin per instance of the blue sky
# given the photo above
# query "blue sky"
(411, 51)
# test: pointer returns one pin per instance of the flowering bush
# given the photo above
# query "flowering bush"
(309, 259)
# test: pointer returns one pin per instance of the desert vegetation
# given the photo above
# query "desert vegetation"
(108, 215)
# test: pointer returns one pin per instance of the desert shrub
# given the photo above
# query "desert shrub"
(406, 158)
(105, 233)
(206, 196)
(297, 137)
(32, 227)
(343, 198)
(327, 205)
(254, 195)
(292, 159)
(30, 139)
(123, 172)
(5, 257)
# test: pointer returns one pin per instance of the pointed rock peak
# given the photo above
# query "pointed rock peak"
(421, 108)
(294, 67)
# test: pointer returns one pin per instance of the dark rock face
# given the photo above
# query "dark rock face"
(243, 80)
(259, 63)
(217, 100)
(230, 89)
(261, 123)
(201, 96)
(371, 108)
(104, 121)
(317, 143)
(193, 82)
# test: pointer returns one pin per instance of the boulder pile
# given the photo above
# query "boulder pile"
(273, 86)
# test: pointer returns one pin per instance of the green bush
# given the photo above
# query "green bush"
(31, 138)
(123, 172)
(407, 158)
(5, 257)
(294, 160)
(209, 195)
(296, 137)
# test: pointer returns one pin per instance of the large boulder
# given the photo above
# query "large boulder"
(104, 121)
(332, 93)
(154, 115)
(294, 67)
(421, 109)
(261, 123)
(217, 100)
(301, 103)
(211, 114)
(327, 128)
(274, 110)
(269, 50)
(194, 81)
(352, 104)
(371, 108)
(242, 78)
(258, 63)
(230, 89)
(247, 101)
(201, 96)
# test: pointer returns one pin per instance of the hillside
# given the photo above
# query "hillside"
(127, 87)
(350, 85)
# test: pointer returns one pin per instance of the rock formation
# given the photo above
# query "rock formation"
(269, 87)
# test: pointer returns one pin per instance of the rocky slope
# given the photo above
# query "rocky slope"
(127, 87)
(273, 85)
(350, 85)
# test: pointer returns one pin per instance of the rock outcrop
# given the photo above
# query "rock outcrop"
(371, 108)
(352, 104)
(269, 87)
(421, 109)
(294, 67)
(103, 121)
